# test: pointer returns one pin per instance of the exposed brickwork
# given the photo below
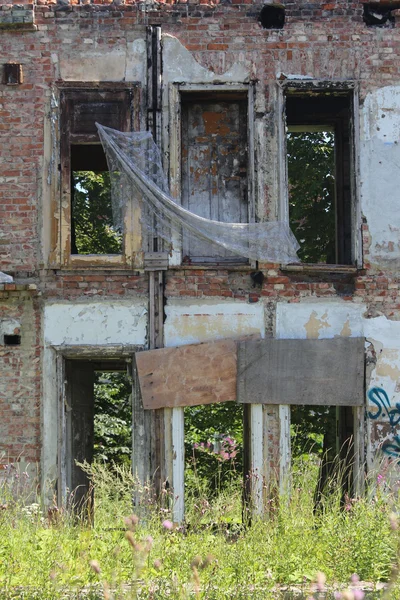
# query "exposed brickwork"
(20, 381)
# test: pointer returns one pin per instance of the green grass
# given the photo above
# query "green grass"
(49, 555)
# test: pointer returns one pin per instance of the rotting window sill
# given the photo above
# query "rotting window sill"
(320, 268)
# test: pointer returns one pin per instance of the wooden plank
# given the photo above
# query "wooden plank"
(188, 375)
(320, 372)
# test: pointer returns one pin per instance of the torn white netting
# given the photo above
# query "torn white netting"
(4, 278)
(135, 166)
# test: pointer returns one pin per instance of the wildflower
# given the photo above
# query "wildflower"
(131, 521)
(196, 562)
(149, 543)
(95, 566)
(157, 564)
(167, 524)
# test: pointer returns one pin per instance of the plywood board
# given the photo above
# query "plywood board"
(188, 375)
(319, 372)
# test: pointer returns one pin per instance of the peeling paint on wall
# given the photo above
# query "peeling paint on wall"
(319, 320)
(380, 169)
(190, 323)
(96, 323)
(179, 65)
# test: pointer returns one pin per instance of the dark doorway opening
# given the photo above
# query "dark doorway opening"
(322, 441)
(98, 420)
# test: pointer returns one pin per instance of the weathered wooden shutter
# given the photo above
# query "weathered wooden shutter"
(214, 169)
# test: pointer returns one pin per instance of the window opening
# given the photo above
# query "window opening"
(319, 176)
(12, 340)
(93, 228)
(378, 15)
(272, 16)
(322, 448)
(92, 225)
(98, 420)
(214, 462)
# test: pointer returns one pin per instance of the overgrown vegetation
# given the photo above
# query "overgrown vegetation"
(93, 226)
(311, 171)
(51, 554)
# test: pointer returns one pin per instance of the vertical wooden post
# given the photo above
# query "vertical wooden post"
(178, 464)
(284, 448)
(61, 446)
(359, 450)
(256, 459)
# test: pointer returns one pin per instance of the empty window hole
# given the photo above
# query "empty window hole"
(272, 16)
(12, 340)
(377, 15)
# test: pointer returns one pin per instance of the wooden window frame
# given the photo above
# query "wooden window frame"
(303, 87)
(131, 256)
(172, 139)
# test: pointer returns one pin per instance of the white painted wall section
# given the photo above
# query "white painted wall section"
(96, 323)
(193, 322)
(319, 320)
(380, 172)
(127, 64)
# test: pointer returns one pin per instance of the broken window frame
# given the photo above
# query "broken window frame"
(68, 93)
(172, 139)
(302, 88)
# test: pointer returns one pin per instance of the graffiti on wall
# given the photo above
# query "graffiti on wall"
(379, 397)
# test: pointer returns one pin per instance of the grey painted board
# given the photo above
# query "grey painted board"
(319, 372)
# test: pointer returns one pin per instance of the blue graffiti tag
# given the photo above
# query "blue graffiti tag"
(379, 397)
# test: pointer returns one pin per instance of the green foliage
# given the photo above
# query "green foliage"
(214, 444)
(52, 556)
(309, 425)
(113, 418)
(311, 171)
(93, 229)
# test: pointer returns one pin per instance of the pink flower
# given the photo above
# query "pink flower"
(167, 524)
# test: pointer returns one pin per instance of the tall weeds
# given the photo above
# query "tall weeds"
(116, 549)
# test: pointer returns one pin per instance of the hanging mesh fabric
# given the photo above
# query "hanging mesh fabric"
(135, 166)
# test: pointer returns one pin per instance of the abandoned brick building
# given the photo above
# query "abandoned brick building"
(225, 88)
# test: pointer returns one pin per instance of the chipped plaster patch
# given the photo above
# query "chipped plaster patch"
(190, 323)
